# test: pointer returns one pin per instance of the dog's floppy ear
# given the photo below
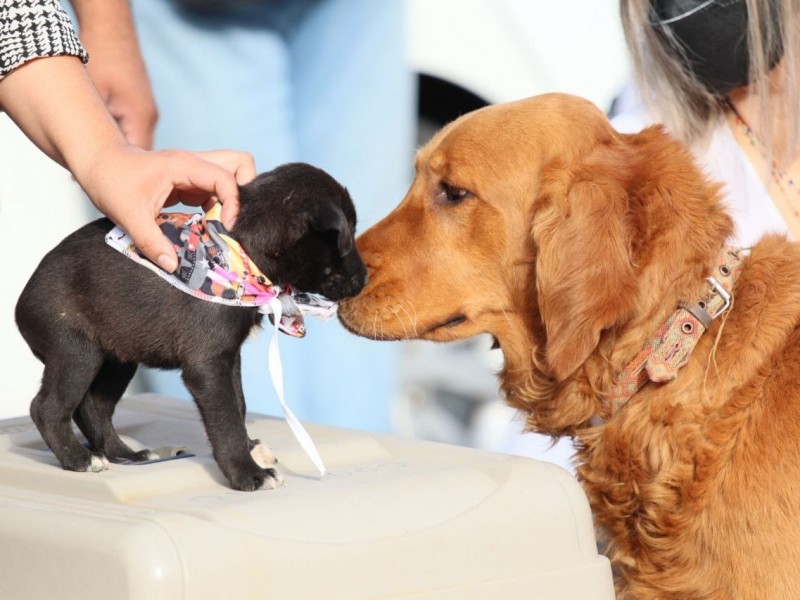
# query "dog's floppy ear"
(330, 217)
(584, 271)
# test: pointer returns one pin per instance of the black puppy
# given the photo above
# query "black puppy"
(91, 315)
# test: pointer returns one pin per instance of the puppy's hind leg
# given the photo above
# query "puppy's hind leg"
(95, 413)
(212, 386)
(68, 372)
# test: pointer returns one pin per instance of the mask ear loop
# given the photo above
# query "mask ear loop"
(276, 374)
(656, 20)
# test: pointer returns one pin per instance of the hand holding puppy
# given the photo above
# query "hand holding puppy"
(132, 186)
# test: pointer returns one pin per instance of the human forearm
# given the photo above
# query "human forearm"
(110, 16)
(117, 68)
(55, 103)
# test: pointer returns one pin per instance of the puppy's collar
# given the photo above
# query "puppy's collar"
(214, 267)
(671, 346)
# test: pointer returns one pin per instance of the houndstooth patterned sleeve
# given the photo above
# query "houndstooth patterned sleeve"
(34, 28)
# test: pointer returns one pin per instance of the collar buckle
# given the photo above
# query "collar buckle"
(722, 293)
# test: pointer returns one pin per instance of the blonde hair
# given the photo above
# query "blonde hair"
(686, 106)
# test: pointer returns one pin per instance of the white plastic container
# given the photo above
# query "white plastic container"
(394, 518)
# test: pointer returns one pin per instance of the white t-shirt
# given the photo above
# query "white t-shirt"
(723, 160)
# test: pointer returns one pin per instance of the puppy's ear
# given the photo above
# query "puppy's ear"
(330, 217)
(584, 270)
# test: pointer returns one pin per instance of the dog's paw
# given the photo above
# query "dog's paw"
(126, 456)
(263, 455)
(145, 455)
(84, 461)
(97, 463)
(273, 480)
(257, 479)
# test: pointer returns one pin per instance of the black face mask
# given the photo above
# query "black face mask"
(713, 37)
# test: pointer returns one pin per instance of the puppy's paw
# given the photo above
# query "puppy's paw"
(263, 455)
(273, 480)
(97, 463)
(125, 455)
(83, 461)
(256, 479)
(145, 455)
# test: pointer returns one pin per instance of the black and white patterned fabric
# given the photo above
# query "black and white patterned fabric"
(34, 28)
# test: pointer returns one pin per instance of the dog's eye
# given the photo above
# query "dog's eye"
(452, 193)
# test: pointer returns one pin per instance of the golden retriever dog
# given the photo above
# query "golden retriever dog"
(576, 247)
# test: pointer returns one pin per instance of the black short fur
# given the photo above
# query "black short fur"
(91, 315)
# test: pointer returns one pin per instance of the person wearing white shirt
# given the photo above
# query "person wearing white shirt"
(722, 76)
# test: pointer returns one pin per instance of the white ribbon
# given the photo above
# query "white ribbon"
(276, 373)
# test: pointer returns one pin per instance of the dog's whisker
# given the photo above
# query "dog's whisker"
(400, 319)
(414, 308)
(412, 321)
(362, 330)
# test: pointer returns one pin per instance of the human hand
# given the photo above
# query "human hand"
(243, 167)
(131, 187)
(117, 68)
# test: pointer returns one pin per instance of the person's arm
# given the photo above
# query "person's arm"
(55, 103)
(117, 68)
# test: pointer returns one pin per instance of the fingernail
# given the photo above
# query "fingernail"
(168, 263)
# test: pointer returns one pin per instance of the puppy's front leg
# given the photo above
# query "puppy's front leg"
(259, 451)
(213, 389)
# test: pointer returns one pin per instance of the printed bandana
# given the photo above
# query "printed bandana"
(214, 267)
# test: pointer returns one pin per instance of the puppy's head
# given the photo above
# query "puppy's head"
(298, 224)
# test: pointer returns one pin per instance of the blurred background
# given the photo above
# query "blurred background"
(354, 87)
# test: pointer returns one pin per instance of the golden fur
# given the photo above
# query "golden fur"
(571, 244)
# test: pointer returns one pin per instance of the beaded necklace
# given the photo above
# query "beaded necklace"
(779, 175)
(784, 190)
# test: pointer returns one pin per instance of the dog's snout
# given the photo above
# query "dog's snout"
(372, 260)
(358, 280)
